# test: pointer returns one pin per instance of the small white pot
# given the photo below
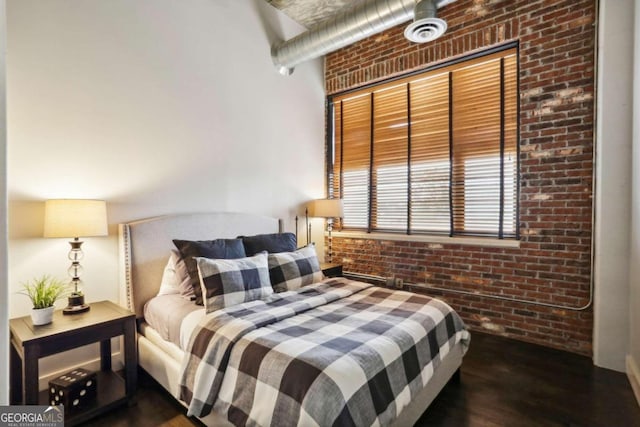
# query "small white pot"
(42, 316)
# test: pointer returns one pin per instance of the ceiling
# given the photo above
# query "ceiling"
(310, 12)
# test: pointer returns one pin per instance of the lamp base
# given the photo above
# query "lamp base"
(76, 305)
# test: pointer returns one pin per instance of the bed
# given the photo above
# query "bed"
(144, 247)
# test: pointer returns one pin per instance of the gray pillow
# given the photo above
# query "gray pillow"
(272, 243)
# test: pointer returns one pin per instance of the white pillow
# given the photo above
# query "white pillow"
(175, 279)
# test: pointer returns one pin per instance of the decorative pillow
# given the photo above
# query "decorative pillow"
(175, 279)
(291, 270)
(227, 282)
(169, 283)
(220, 248)
(182, 275)
(276, 242)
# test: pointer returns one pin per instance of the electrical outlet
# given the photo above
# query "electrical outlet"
(398, 282)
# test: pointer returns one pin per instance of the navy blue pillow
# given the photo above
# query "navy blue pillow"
(214, 249)
(272, 243)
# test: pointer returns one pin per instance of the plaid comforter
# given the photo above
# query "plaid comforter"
(338, 352)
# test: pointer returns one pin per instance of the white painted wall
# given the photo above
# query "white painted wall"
(613, 184)
(633, 361)
(158, 107)
(4, 288)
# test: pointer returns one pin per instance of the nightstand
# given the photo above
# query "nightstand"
(102, 322)
(331, 270)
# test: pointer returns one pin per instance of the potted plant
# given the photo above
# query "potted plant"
(43, 292)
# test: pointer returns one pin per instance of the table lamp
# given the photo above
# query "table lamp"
(75, 218)
(329, 209)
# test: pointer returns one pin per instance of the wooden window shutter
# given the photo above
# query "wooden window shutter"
(435, 152)
(356, 157)
(511, 154)
(430, 154)
(390, 159)
(476, 148)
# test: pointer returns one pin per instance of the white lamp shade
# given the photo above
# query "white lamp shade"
(75, 218)
(326, 208)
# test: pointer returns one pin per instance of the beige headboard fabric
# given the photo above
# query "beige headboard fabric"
(145, 246)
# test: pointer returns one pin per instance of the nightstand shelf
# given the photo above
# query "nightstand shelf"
(103, 321)
(111, 394)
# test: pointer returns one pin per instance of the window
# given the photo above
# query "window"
(432, 153)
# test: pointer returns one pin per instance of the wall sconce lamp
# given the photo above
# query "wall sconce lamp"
(74, 218)
(329, 209)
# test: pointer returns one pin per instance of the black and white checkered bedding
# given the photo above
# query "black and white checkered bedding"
(338, 352)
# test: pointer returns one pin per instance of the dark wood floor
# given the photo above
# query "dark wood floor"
(504, 383)
(510, 383)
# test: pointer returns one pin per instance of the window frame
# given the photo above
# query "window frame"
(331, 155)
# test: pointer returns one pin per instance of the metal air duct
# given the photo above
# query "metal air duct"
(363, 20)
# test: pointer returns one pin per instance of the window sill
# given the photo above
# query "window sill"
(443, 240)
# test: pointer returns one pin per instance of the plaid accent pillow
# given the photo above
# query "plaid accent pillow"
(227, 282)
(292, 270)
(219, 248)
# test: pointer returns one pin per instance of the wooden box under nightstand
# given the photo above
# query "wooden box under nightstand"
(75, 389)
(102, 322)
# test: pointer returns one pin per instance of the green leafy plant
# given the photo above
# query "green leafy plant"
(44, 291)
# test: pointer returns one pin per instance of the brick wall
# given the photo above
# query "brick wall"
(552, 265)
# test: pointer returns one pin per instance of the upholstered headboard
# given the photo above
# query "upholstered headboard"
(145, 246)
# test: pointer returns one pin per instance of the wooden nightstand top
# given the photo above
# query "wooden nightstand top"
(103, 312)
(331, 269)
